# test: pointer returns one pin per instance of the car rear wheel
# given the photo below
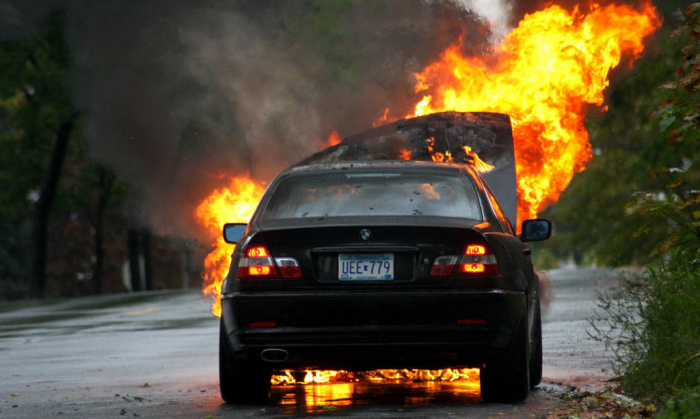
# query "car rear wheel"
(241, 381)
(507, 379)
(536, 361)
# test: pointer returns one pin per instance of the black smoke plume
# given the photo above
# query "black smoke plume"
(178, 95)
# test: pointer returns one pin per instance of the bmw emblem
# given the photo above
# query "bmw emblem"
(365, 234)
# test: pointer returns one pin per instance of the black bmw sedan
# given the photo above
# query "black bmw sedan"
(386, 264)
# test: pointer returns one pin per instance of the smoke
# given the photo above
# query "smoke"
(496, 12)
(178, 95)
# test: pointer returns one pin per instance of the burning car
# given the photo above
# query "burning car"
(385, 263)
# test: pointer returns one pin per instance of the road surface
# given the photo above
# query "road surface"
(154, 355)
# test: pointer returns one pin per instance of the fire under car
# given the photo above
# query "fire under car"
(383, 264)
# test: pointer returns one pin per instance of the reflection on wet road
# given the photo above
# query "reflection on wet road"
(457, 399)
(317, 398)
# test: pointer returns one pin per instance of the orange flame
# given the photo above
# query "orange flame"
(233, 204)
(446, 157)
(545, 73)
(321, 376)
(479, 164)
(332, 140)
(382, 119)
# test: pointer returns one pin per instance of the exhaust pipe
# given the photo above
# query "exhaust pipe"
(274, 355)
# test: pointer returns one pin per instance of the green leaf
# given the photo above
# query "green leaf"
(688, 203)
(675, 183)
(665, 123)
(668, 86)
(666, 245)
(645, 229)
(686, 126)
(689, 79)
(691, 137)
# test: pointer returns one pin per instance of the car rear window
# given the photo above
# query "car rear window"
(380, 194)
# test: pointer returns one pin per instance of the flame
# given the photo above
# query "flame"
(446, 157)
(232, 204)
(478, 164)
(382, 119)
(286, 377)
(404, 154)
(332, 140)
(544, 75)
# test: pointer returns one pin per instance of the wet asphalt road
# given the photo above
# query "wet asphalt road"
(154, 355)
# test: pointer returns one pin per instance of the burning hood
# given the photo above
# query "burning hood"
(481, 139)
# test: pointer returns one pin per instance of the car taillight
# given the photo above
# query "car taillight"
(443, 266)
(257, 262)
(257, 252)
(477, 260)
(289, 267)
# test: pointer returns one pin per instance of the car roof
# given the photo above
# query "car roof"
(399, 165)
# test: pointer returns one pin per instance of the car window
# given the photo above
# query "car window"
(381, 194)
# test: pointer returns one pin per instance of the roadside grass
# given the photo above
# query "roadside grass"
(684, 405)
(652, 325)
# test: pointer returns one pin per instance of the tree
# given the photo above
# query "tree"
(679, 119)
(38, 117)
(44, 203)
(58, 208)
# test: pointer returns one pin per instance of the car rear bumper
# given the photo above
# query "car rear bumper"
(367, 330)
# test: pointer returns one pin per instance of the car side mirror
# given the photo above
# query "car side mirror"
(234, 231)
(536, 230)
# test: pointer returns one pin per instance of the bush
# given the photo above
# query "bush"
(653, 324)
(685, 406)
(653, 327)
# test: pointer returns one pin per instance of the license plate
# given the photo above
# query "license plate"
(366, 267)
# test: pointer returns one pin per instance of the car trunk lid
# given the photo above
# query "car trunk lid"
(367, 256)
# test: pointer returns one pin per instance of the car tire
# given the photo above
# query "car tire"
(241, 381)
(507, 379)
(536, 360)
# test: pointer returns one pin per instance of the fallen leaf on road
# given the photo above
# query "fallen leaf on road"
(14, 395)
(602, 404)
(140, 312)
